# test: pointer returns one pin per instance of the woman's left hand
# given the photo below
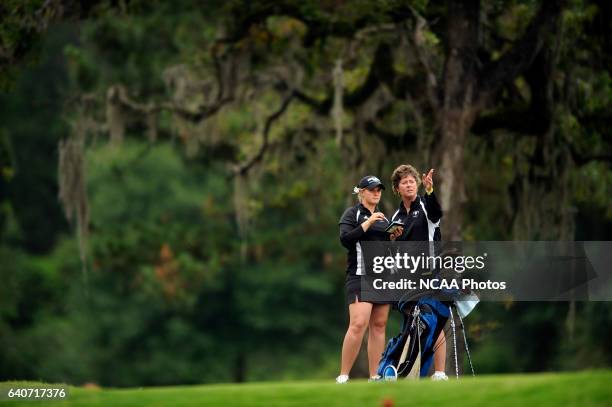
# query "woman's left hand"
(428, 180)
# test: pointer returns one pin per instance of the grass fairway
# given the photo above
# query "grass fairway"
(562, 389)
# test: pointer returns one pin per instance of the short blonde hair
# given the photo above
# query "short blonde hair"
(403, 171)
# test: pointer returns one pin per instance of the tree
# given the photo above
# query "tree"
(281, 106)
(440, 80)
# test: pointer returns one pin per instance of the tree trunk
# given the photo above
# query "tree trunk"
(456, 112)
(448, 157)
(467, 86)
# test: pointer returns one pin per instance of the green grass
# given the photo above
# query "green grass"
(582, 389)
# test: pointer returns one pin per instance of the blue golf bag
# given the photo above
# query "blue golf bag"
(410, 353)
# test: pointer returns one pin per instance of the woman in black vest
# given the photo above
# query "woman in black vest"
(362, 222)
(421, 216)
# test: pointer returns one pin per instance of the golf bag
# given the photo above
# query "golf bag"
(410, 352)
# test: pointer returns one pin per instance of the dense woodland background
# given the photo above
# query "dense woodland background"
(172, 174)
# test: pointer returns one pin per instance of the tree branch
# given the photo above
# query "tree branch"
(318, 25)
(582, 159)
(391, 141)
(521, 55)
(118, 94)
(515, 118)
(381, 71)
(246, 17)
(245, 167)
(418, 40)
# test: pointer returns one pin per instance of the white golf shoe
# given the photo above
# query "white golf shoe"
(437, 376)
(342, 379)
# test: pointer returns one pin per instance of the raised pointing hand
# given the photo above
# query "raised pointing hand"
(428, 180)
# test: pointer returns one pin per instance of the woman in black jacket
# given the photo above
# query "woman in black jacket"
(362, 222)
(421, 216)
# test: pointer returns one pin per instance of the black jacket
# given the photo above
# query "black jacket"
(422, 220)
(351, 233)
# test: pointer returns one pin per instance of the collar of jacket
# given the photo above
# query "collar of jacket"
(365, 210)
(414, 205)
